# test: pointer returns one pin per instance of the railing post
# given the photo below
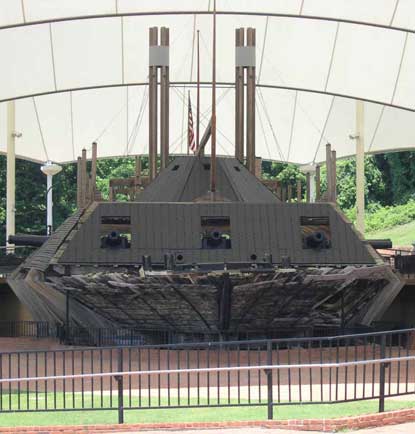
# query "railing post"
(382, 369)
(119, 379)
(268, 372)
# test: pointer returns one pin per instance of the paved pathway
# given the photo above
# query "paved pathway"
(406, 428)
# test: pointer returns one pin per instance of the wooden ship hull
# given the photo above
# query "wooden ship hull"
(236, 302)
(171, 271)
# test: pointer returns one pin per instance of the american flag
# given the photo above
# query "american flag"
(190, 131)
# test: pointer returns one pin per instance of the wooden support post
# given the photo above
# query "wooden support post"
(164, 103)
(138, 170)
(334, 175)
(250, 105)
(84, 179)
(93, 180)
(289, 192)
(308, 192)
(329, 169)
(239, 100)
(152, 142)
(79, 183)
(258, 167)
(283, 194)
(318, 185)
(299, 192)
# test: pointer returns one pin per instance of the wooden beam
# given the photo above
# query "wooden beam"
(299, 192)
(250, 105)
(79, 183)
(152, 142)
(329, 168)
(318, 183)
(84, 179)
(334, 175)
(93, 183)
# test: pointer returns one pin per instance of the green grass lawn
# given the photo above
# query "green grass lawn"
(403, 235)
(196, 415)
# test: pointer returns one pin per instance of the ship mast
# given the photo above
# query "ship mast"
(213, 138)
(198, 95)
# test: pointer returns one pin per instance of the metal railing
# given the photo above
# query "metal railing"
(268, 373)
(29, 329)
(80, 336)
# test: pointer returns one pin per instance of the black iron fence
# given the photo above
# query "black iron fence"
(265, 373)
(30, 329)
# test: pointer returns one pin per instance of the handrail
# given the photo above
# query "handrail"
(208, 370)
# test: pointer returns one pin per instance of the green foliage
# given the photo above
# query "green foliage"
(346, 182)
(388, 216)
(398, 170)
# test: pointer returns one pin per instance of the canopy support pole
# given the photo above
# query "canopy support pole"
(11, 174)
(360, 168)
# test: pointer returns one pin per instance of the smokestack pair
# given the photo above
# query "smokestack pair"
(159, 59)
(245, 60)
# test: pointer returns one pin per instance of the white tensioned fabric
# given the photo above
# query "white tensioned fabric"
(314, 57)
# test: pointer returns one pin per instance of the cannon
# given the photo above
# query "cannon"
(317, 240)
(114, 240)
(380, 244)
(27, 240)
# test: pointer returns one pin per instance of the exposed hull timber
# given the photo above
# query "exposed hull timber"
(232, 302)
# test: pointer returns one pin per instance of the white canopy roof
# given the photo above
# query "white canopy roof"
(80, 71)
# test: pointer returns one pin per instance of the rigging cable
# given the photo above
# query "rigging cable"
(40, 129)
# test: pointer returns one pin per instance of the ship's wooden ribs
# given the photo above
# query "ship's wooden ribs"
(225, 302)
(252, 302)
(198, 313)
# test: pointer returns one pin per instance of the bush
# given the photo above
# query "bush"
(383, 217)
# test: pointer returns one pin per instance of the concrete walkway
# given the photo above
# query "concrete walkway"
(406, 428)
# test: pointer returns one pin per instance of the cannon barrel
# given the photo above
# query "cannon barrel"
(316, 239)
(27, 240)
(380, 244)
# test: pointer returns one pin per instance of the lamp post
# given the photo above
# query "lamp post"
(50, 170)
